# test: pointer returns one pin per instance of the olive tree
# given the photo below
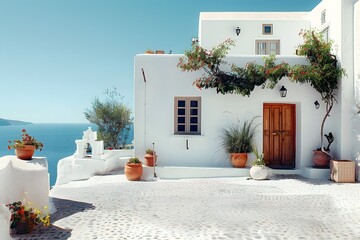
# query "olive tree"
(112, 117)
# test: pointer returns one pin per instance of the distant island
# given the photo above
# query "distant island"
(8, 122)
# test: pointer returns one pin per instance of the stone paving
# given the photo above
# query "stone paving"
(285, 207)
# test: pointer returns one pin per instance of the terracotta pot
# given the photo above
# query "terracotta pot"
(321, 159)
(150, 160)
(133, 171)
(23, 227)
(160, 52)
(238, 160)
(149, 52)
(25, 153)
(258, 172)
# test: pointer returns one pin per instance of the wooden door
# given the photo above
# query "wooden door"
(279, 122)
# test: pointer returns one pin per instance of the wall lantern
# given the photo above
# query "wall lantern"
(317, 104)
(238, 30)
(194, 40)
(283, 91)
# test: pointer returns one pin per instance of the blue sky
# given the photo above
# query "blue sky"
(56, 56)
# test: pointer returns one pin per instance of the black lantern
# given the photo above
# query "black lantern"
(194, 40)
(317, 104)
(283, 91)
(238, 30)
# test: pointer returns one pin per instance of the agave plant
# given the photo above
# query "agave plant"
(239, 138)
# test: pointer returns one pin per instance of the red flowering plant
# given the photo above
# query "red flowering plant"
(24, 213)
(241, 80)
(26, 139)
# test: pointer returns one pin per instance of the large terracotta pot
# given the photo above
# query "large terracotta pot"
(238, 160)
(133, 171)
(321, 159)
(150, 160)
(25, 153)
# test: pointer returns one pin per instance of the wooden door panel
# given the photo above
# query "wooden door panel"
(279, 135)
(266, 133)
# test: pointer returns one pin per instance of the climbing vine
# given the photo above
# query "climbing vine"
(322, 72)
(241, 80)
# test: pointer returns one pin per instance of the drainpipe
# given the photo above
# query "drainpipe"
(144, 77)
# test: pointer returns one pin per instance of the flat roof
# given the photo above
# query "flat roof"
(253, 16)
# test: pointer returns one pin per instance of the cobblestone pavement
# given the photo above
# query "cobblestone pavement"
(285, 207)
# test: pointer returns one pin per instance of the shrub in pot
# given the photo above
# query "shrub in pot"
(238, 139)
(133, 169)
(322, 157)
(150, 158)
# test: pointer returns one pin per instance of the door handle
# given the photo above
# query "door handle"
(187, 144)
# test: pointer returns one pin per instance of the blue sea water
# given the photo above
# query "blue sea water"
(58, 139)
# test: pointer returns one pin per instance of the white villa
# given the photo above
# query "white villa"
(160, 85)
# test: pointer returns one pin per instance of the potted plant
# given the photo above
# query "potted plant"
(24, 218)
(24, 148)
(150, 157)
(258, 171)
(133, 169)
(323, 74)
(149, 51)
(321, 159)
(237, 139)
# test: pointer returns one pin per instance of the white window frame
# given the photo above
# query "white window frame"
(267, 46)
(188, 124)
(325, 34)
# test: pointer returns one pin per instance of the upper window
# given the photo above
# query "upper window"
(187, 115)
(267, 47)
(325, 34)
(323, 17)
(267, 29)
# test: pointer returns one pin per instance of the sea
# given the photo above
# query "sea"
(58, 139)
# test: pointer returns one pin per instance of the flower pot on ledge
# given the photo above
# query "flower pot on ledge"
(25, 153)
(150, 160)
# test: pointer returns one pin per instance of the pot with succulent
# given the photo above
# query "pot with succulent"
(24, 218)
(258, 171)
(150, 158)
(133, 169)
(238, 139)
(25, 148)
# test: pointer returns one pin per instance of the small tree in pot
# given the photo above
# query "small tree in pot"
(238, 140)
(323, 73)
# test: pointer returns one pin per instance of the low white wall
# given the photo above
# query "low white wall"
(72, 168)
(154, 112)
(22, 179)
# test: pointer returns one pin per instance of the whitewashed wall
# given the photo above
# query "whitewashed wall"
(154, 112)
(340, 21)
(286, 27)
(357, 76)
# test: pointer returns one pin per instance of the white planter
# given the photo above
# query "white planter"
(258, 172)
